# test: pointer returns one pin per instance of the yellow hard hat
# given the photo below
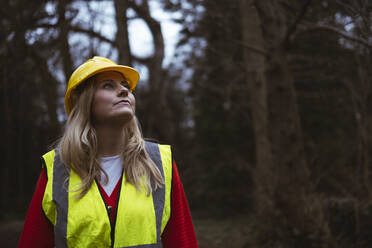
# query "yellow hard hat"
(93, 66)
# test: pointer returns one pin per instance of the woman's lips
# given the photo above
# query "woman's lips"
(123, 102)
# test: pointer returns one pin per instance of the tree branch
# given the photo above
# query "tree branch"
(145, 61)
(94, 34)
(143, 12)
(81, 30)
(315, 27)
(254, 49)
(292, 28)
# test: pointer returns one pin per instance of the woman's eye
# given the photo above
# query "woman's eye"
(125, 84)
(107, 86)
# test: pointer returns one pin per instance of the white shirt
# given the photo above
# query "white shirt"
(113, 167)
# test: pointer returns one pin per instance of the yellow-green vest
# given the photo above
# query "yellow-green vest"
(139, 219)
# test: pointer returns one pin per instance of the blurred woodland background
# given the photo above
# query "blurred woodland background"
(267, 103)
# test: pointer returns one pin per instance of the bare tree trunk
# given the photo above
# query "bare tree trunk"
(122, 38)
(15, 140)
(256, 79)
(255, 72)
(360, 87)
(287, 134)
(63, 39)
(294, 216)
(49, 88)
(7, 138)
(361, 92)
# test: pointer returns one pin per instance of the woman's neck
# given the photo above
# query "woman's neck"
(110, 140)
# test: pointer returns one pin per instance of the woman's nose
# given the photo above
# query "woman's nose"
(123, 91)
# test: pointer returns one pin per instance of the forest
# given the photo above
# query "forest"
(265, 103)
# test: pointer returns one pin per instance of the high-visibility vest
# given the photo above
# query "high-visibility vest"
(139, 219)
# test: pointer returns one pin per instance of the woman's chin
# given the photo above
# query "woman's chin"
(115, 120)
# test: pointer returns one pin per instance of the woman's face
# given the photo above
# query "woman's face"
(113, 103)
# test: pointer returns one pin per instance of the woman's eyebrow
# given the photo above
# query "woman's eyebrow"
(107, 80)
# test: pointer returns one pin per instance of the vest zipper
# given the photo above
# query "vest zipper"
(112, 231)
(116, 211)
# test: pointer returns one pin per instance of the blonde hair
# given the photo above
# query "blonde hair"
(78, 147)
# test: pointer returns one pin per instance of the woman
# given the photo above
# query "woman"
(103, 185)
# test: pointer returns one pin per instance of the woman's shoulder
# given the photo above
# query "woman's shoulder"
(155, 143)
(47, 159)
(49, 155)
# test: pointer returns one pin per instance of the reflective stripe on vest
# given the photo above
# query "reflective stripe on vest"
(139, 219)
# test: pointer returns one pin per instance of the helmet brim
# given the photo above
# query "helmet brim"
(81, 74)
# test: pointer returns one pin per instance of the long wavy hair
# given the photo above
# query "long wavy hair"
(79, 150)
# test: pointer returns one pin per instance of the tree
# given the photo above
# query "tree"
(122, 37)
(30, 119)
(292, 211)
(309, 114)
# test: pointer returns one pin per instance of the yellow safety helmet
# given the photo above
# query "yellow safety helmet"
(93, 66)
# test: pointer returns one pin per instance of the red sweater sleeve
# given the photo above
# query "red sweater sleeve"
(179, 231)
(37, 230)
